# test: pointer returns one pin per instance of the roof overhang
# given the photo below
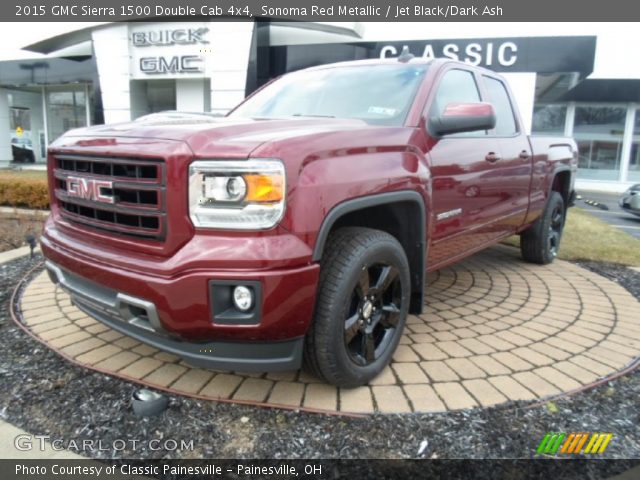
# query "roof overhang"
(604, 90)
(65, 42)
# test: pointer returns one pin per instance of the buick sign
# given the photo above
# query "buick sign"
(90, 189)
(178, 36)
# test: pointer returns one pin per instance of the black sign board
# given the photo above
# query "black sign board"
(519, 54)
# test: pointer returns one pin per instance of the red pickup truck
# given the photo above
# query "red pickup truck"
(300, 227)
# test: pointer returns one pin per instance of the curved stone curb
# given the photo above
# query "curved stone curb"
(496, 330)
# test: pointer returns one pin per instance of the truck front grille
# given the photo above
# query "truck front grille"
(119, 195)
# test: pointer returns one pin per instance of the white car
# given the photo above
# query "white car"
(630, 200)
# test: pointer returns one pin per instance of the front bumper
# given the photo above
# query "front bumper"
(138, 319)
(172, 302)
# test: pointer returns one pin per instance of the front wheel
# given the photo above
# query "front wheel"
(362, 305)
(541, 241)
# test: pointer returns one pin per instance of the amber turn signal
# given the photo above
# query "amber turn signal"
(264, 188)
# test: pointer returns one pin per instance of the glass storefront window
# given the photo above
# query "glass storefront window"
(20, 118)
(634, 162)
(549, 119)
(26, 125)
(38, 115)
(152, 96)
(161, 95)
(598, 131)
(66, 109)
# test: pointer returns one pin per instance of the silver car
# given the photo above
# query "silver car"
(630, 200)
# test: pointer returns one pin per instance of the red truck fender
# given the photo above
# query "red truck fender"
(414, 240)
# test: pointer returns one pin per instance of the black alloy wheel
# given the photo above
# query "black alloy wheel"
(361, 307)
(373, 314)
(555, 229)
(541, 241)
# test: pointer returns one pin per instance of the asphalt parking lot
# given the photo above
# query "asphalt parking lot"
(612, 214)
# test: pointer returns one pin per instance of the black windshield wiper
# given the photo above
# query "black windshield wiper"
(311, 115)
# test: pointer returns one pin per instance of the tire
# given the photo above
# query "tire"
(541, 241)
(361, 307)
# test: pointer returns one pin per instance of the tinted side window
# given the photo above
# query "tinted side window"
(456, 86)
(499, 98)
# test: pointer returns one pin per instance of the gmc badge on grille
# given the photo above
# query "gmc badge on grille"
(90, 189)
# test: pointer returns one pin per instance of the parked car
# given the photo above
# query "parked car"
(22, 152)
(299, 228)
(630, 200)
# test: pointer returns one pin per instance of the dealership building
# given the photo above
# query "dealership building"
(579, 80)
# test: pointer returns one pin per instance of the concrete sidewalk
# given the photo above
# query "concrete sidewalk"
(24, 211)
(16, 253)
(22, 251)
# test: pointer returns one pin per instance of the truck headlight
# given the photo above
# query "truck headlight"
(240, 195)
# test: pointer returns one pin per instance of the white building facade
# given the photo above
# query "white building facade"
(569, 79)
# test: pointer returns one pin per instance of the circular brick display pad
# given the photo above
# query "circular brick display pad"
(495, 329)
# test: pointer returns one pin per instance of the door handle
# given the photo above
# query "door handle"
(524, 155)
(492, 157)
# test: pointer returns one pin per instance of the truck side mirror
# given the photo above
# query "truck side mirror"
(463, 117)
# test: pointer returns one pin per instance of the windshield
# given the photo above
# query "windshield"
(377, 94)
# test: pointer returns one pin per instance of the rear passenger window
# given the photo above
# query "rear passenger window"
(499, 98)
(456, 86)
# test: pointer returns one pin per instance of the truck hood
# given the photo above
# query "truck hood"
(219, 137)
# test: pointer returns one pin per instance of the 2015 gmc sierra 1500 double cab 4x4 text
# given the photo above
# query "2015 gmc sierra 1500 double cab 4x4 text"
(300, 227)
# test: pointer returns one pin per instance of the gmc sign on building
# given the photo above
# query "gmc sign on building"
(175, 64)
(168, 52)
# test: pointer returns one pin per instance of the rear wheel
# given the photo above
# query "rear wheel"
(362, 305)
(541, 241)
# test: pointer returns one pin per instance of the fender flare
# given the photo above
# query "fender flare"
(360, 203)
(552, 178)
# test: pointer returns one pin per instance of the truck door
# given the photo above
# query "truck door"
(513, 176)
(464, 171)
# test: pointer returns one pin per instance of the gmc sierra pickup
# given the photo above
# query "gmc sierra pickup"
(300, 227)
